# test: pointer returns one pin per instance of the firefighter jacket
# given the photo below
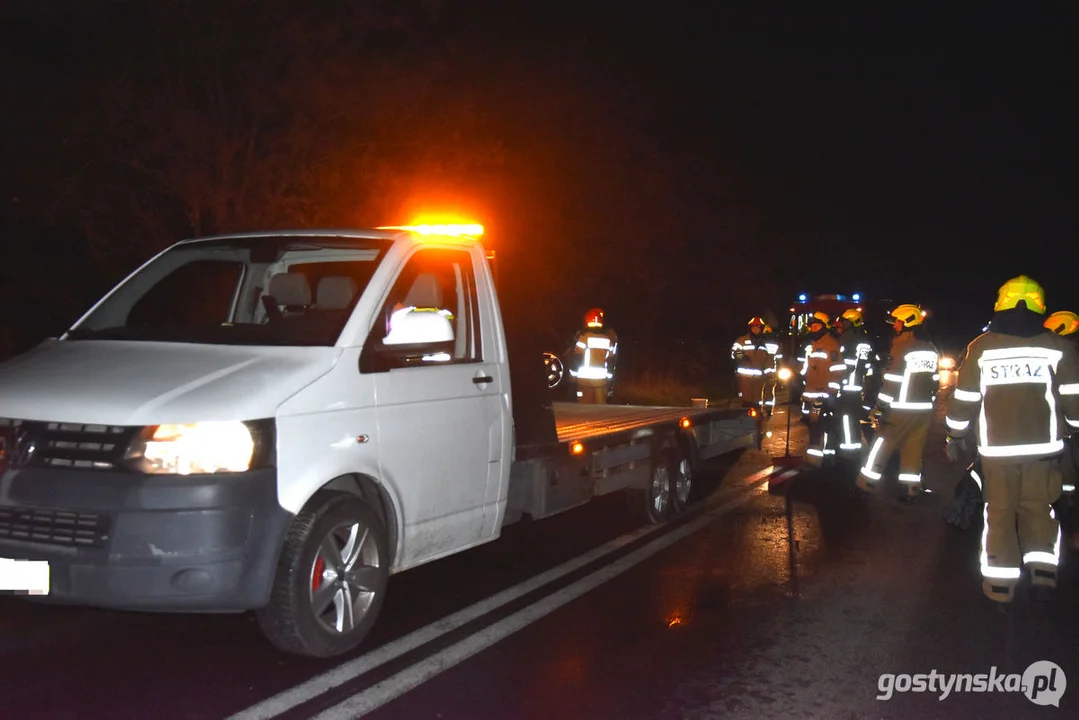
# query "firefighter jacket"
(857, 353)
(822, 367)
(912, 379)
(771, 344)
(1020, 393)
(755, 355)
(594, 355)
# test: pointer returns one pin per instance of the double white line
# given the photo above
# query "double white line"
(396, 685)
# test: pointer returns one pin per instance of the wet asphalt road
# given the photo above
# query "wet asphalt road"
(771, 600)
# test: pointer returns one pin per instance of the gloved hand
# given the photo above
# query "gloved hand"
(874, 418)
(966, 505)
(955, 448)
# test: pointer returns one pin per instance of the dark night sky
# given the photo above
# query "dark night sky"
(924, 156)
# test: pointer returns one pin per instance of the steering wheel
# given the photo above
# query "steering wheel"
(555, 369)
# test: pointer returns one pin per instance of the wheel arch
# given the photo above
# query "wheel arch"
(378, 497)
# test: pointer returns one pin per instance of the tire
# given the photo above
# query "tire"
(301, 620)
(652, 505)
(683, 476)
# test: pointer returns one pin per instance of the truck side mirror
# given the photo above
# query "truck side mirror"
(416, 337)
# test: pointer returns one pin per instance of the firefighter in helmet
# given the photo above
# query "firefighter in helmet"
(594, 353)
(755, 362)
(1018, 391)
(1063, 322)
(1066, 323)
(822, 371)
(771, 344)
(904, 405)
(857, 353)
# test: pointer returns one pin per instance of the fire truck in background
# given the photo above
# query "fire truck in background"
(874, 311)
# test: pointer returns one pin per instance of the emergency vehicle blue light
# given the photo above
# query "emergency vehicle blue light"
(802, 297)
(856, 297)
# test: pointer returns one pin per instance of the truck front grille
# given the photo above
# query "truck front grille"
(65, 445)
(54, 527)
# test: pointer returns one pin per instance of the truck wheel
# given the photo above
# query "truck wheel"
(653, 504)
(331, 578)
(681, 482)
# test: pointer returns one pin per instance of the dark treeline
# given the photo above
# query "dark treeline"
(131, 125)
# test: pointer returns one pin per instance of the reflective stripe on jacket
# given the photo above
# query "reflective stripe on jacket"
(823, 367)
(1023, 393)
(755, 355)
(857, 352)
(912, 380)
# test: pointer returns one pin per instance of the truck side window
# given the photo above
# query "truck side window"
(431, 311)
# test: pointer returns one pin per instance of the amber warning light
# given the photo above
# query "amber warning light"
(450, 230)
(685, 422)
(576, 448)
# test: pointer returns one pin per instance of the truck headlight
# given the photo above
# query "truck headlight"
(197, 448)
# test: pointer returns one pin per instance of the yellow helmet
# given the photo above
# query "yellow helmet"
(1021, 288)
(1062, 322)
(910, 315)
(854, 316)
(821, 317)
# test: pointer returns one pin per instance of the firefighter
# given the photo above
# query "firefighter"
(857, 353)
(822, 371)
(1065, 323)
(771, 344)
(754, 361)
(594, 355)
(1018, 390)
(904, 404)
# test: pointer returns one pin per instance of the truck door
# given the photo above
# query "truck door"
(437, 397)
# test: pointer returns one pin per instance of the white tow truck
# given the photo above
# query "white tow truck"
(279, 421)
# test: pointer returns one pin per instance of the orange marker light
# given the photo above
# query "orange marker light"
(450, 230)
(685, 422)
(576, 448)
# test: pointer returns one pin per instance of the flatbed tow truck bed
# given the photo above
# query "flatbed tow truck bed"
(579, 421)
(717, 430)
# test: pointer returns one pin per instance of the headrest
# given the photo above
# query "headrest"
(290, 289)
(426, 292)
(335, 292)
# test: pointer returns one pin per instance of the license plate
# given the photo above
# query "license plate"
(24, 576)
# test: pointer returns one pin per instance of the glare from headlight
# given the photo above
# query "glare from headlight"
(947, 363)
(207, 447)
(785, 374)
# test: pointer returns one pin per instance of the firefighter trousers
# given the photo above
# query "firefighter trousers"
(769, 392)
(848, 423)
(904, 431)
(751, 389)
(1020, 528)
(592, 391)
(823, 438)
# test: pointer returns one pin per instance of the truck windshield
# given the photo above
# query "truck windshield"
(272, 290)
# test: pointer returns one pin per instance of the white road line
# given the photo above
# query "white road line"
(299, 694)
(393, 687)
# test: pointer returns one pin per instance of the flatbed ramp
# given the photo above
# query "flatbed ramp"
(579, 421)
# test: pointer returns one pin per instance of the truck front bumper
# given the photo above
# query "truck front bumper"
(118, 540)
